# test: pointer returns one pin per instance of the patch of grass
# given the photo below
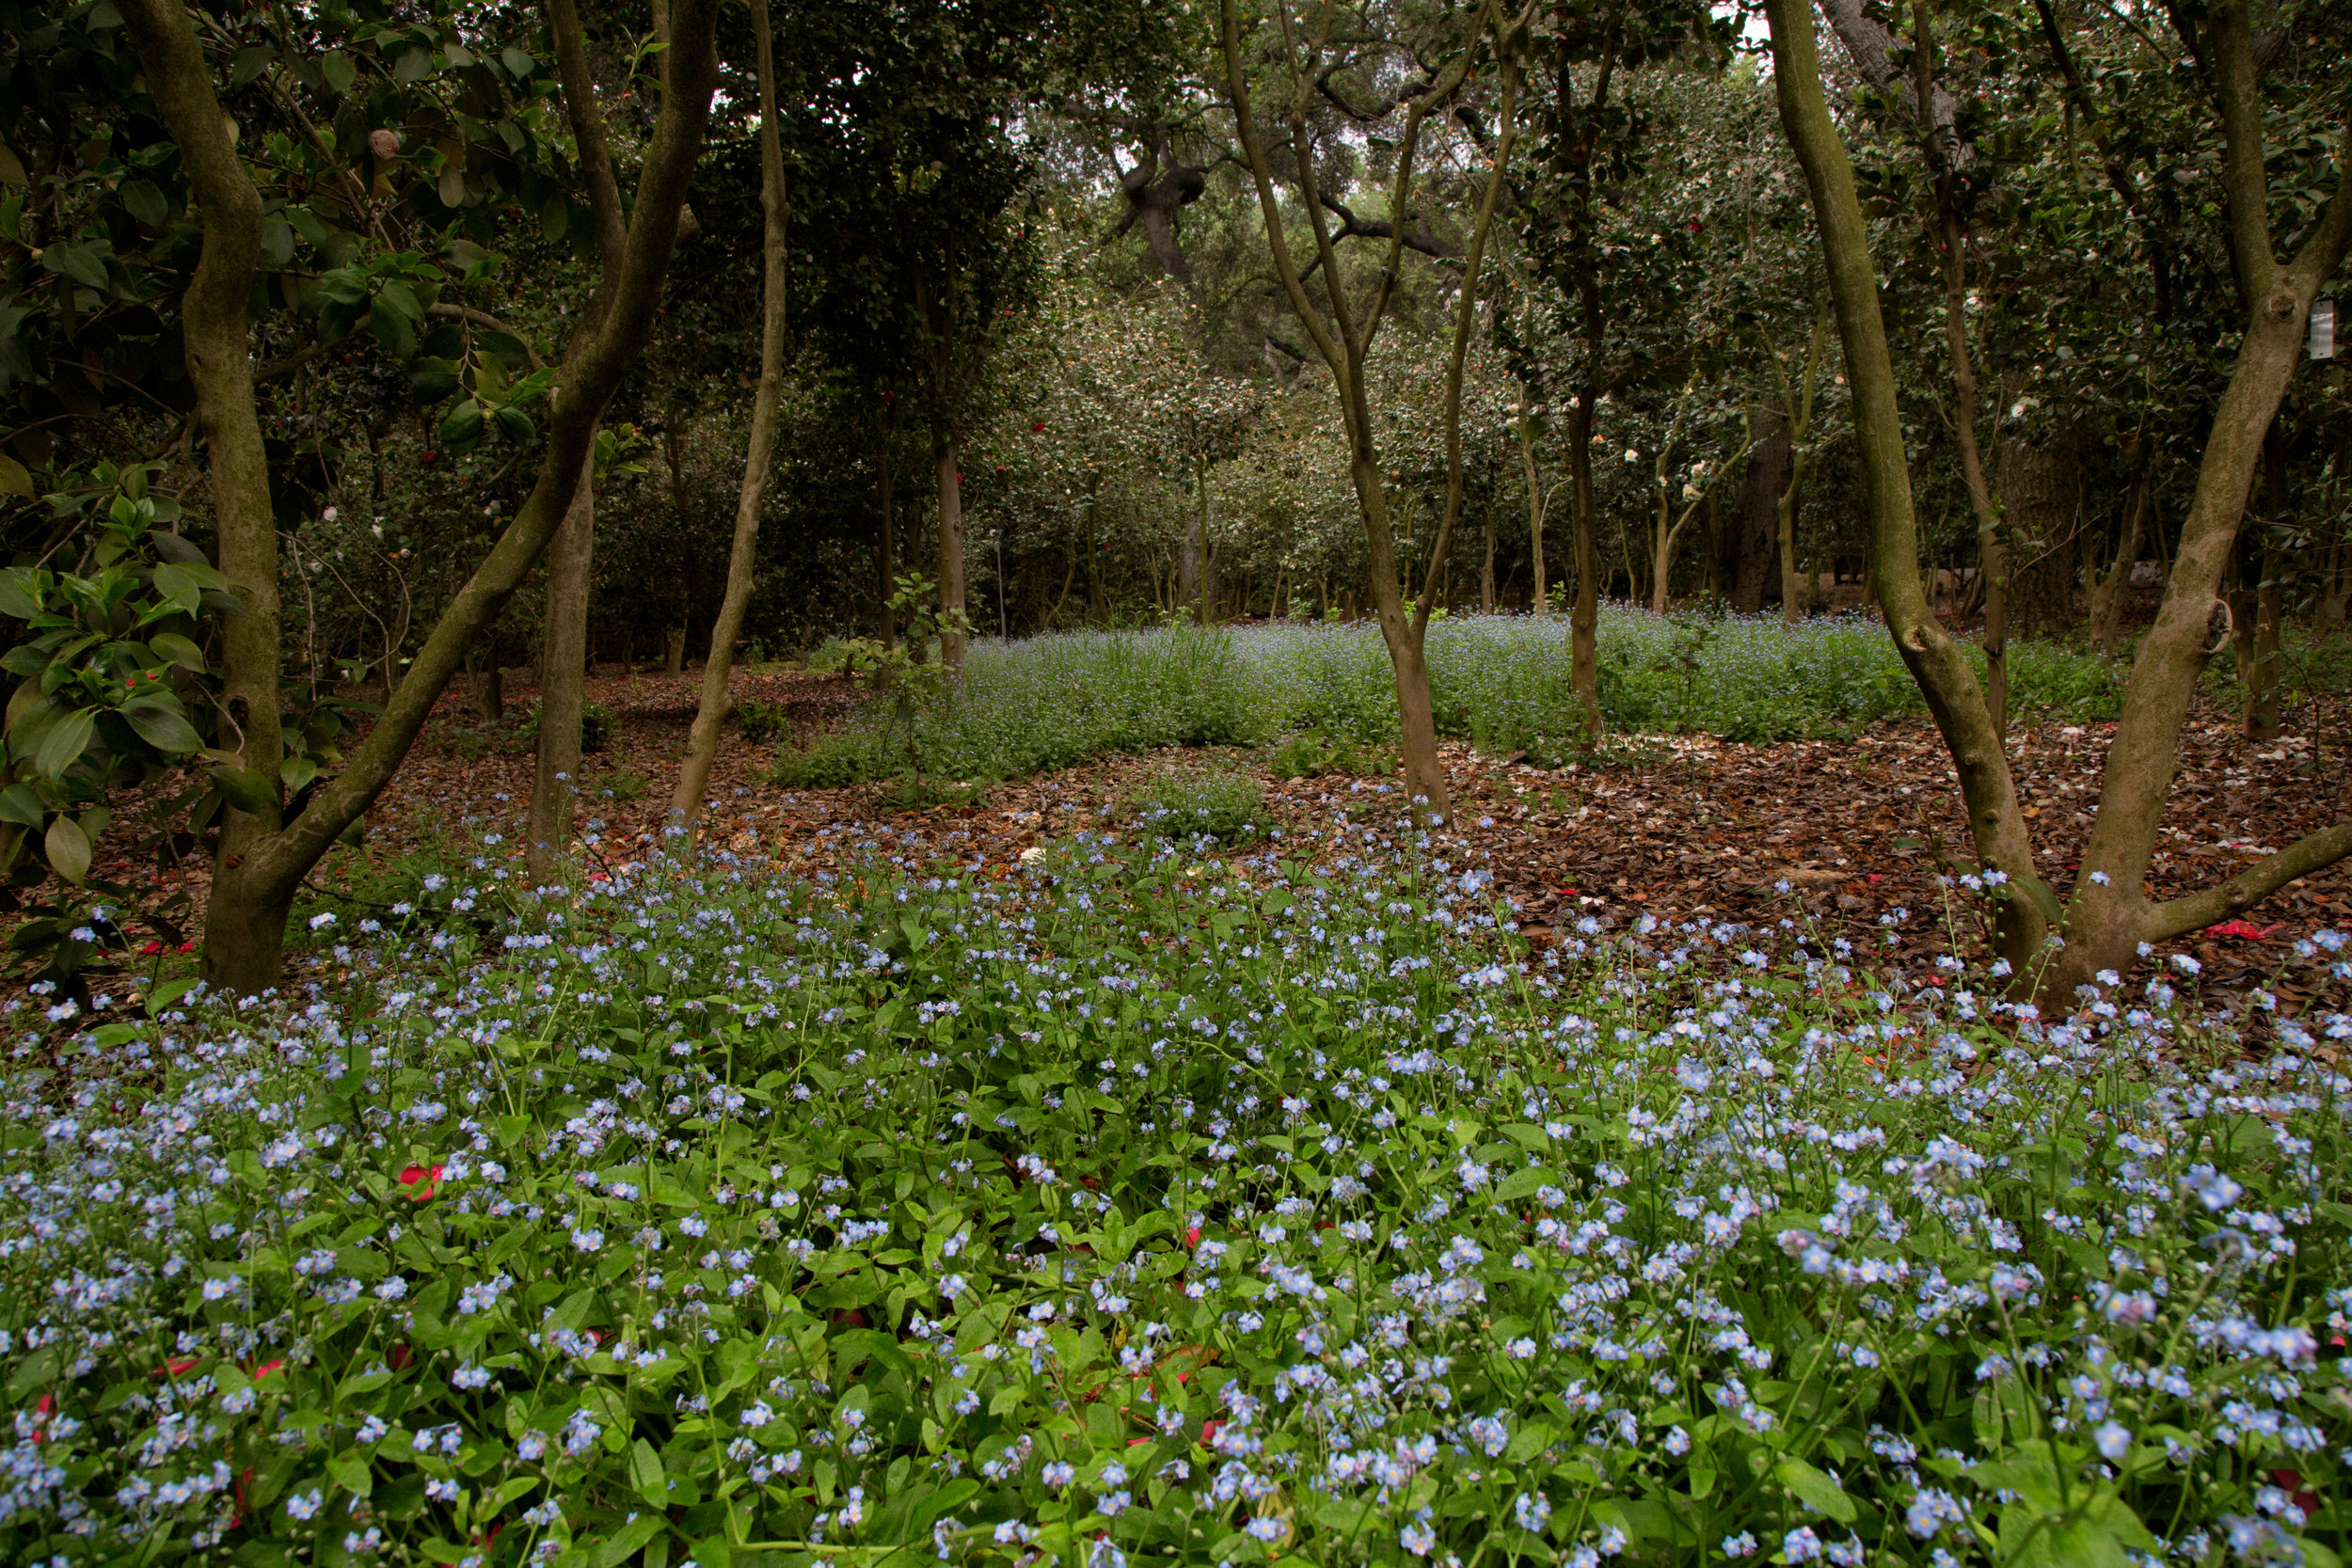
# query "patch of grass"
(1500, 682)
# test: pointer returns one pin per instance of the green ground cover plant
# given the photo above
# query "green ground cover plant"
(1500, 682)
(1132, 1204)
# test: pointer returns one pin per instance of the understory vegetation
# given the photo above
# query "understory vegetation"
(1128, 1203)
(1500, 681)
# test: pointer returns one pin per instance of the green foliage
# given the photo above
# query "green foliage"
(1119, 1202)
(762, 721)
(1187, 805)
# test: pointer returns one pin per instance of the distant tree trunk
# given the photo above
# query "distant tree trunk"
(674, 650)
(1536, 504)
(2107, 589)
(702, 743)
(1204, 547)
(1754, 524)
(1486, 568)
(885, 565)
(564, 660)
(2256, 599)
(1584, 618)
(940, 315)
(2038, 501)
(1188, 558)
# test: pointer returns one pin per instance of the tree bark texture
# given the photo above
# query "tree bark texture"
(265, 859)
(702, 743)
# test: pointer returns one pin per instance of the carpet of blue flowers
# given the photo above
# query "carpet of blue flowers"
(1133, 1203)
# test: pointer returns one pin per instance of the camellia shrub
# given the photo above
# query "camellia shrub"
(1130, 1204)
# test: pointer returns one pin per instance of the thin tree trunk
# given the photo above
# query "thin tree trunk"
(265, 861)
(1951, 236)
(702, 743)
(562, 670)
(1486, 568)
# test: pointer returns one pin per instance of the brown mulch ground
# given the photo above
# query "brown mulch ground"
(1686, 828)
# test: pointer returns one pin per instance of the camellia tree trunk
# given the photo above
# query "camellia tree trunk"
(702, 743)
(1346, 338)
(2108, 911)
(571, 557)
(263, 856)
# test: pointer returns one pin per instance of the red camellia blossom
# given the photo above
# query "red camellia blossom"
(422, 1182)
(2241, 931)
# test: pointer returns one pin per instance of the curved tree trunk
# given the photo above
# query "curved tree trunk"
(702, 743)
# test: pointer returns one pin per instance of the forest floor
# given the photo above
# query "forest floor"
(1682, 828)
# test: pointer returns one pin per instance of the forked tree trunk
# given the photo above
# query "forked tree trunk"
(2109, 911)
(1343, 340)
(701, 742)
(264, 858)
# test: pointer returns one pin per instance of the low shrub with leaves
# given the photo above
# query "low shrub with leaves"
(1129, 1204)
(1189, 804)
(1314, 757)
(762, 721)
